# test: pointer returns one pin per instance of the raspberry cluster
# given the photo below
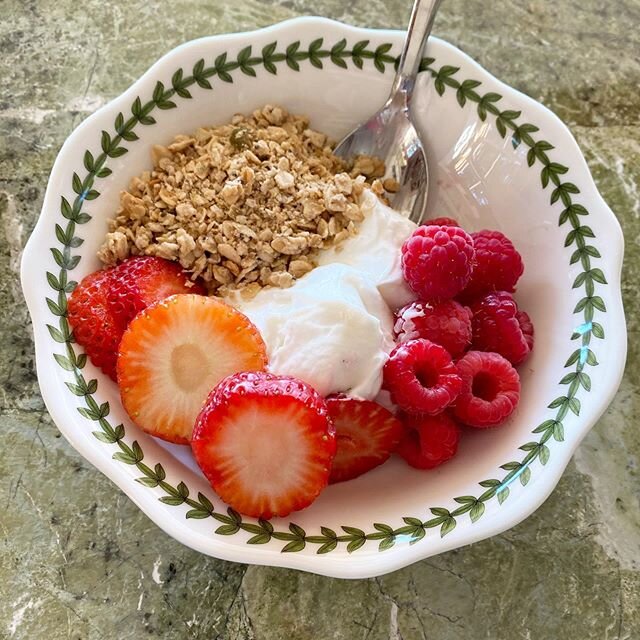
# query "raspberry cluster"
(458, 344)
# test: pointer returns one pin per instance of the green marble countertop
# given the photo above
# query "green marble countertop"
(80, 561)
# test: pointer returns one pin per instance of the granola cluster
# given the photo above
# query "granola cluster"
(244, 205)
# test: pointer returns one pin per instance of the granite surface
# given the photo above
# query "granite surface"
(78, 560)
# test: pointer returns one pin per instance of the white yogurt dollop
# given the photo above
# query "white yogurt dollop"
(375, 251)
(334, 327)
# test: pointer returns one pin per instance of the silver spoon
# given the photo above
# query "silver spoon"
(390, 134)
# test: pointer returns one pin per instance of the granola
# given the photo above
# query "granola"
(243, 205)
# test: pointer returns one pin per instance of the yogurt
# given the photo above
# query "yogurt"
(334, 327)
(375, 250)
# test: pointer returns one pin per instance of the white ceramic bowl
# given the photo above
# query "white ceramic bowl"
(498, 160)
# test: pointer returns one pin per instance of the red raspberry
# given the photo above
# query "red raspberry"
(429, 441)
(437, 261)
(498, 265)
(441, 222)
(490, 389)
(421, 377)
(526, 327)
(447, 324)
(498, 326)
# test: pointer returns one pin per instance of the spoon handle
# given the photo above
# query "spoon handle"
(420, 23)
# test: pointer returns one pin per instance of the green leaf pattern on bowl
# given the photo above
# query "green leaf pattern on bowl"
(295, 539)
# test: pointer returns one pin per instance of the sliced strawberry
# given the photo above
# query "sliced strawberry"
(104, 303)
(265, 443)
(367, 435)
(143, 280)
(172, 355)
(94, 327)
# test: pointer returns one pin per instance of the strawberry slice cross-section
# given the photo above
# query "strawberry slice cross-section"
(174, 352)
(367, 435)
(265, 443)
(104, 303)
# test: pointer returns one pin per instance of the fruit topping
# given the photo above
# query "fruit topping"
(441, 222)
(104, 303)
(140, 281)
(437, 261)
(367, 434)
(490, 389)
(174, 352)
(265, 443)
(498, 265)
(94, 326)
(499, 326)
(421, 377)
(429, 441)
(447, 323)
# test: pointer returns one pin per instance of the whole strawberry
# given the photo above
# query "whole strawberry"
(437, 261)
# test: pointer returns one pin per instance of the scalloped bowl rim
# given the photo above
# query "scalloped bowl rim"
(346, 566)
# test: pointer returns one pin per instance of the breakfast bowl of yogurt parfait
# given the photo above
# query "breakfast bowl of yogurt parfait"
(277, 367)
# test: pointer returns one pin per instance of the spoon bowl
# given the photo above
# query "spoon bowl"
(390, 134)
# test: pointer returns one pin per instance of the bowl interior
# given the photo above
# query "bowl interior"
(478, 178)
